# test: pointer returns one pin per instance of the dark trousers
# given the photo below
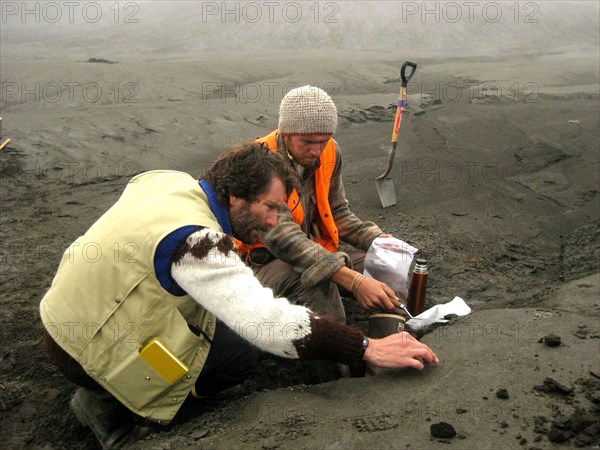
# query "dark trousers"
(231, 360)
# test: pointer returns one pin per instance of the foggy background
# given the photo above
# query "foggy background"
(173, 29)
(212, 71)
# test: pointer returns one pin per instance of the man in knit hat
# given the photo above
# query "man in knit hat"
(302, 260)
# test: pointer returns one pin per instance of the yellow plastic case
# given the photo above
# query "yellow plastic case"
(169, 366)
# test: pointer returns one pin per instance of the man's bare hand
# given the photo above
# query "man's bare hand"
(373, 294)
(399, 350)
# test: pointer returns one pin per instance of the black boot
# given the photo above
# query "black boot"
(111, 422)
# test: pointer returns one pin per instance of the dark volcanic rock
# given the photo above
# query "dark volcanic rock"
(552, 340)
(442, 430)
(583, 426)
(552, 386)
(557, 434)
(539, 424)
(502, 393)
(101, 60)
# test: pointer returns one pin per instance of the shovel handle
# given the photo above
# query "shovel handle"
(403, 75)
(399, 110)
(402, 96)
(390, 162)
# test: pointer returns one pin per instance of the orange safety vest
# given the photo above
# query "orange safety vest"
(329, 234)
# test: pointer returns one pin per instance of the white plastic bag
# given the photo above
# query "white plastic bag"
(389, 260)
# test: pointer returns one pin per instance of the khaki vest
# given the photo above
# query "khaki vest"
(105, 303)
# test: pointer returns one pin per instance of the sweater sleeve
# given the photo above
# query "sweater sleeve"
(288, 242)
(207, 267)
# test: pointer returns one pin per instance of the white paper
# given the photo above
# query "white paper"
(437, 313)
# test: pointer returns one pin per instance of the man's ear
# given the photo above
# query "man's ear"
(233, 200)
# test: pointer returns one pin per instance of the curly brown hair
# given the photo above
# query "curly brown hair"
(247, 171)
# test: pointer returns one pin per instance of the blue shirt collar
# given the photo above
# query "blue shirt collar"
(220, 212)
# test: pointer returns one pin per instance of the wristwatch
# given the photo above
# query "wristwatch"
(365, 344)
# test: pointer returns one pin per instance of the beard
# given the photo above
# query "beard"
(246, 226)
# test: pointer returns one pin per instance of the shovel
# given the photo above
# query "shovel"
(385, 186)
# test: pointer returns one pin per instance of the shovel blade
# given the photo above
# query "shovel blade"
(386, 191)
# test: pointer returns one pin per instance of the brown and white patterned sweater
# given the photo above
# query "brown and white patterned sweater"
(209, 269)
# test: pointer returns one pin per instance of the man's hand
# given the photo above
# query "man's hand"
(373, 294)
(370, 293)
(399, 350)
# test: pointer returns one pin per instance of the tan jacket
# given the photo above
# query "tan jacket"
(105, 303)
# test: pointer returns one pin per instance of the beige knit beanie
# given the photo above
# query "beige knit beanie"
(307, 110)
